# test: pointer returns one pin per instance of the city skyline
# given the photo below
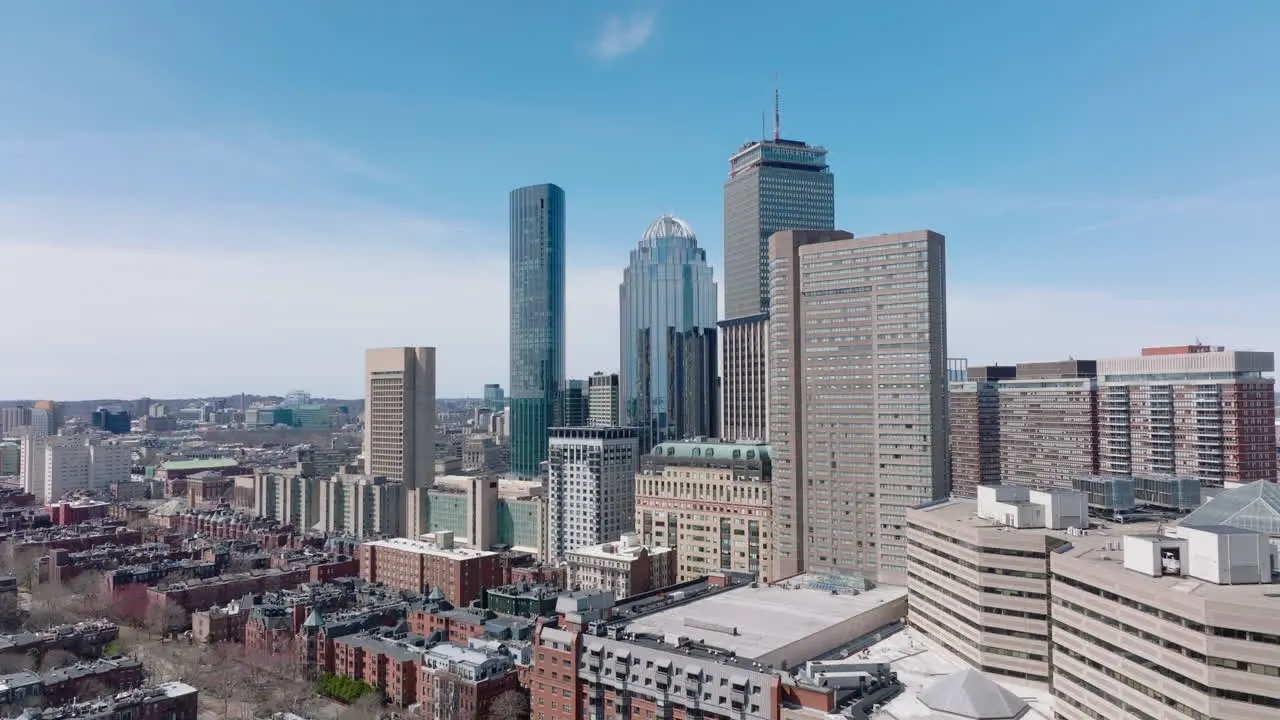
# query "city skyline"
(1046, 162)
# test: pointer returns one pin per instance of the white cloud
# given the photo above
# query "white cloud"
(621, 36)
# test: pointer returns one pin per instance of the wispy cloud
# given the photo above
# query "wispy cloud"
(621, 35)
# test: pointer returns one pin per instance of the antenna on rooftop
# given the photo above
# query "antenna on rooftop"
(777, 109)
(764, 133)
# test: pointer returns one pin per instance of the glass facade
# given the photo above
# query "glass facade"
(447, 511)
(494, 398)
(667, 297)
(537, 226)
(773, 185)
(518, 523)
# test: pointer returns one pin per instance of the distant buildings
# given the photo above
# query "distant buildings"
(494, 398)
(591, 476)
(603, 400)
(114, 422)
(54, 466)
(730, 484)
(537, 227)
(857, 438)
(668, 303)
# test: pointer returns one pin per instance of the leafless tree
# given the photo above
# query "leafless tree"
(12, 616)
(368, 707)
(165, 619)
(50, 605)
(510, 705)
(56, 658)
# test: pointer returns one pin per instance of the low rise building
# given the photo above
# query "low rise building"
(169, 701)
(624, 568)
(434, 562)
(86, 639)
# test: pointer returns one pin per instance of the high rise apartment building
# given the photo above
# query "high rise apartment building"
(288, 496)
(1048, 423)
(603, 400)
(537, 227)
(400, 414)
(744, 377)
(76, 465)
(858, 396)
(1193, 411)
(1189, 411)
(668, 306)
(591, 476)
(363, 505)
(712, 503)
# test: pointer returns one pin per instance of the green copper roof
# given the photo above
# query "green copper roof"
(314, 620)
(436, 595)
(713, 449)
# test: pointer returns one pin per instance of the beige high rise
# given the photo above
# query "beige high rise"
(857, 396)
(400, 422)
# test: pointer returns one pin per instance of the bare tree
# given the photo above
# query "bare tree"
(510, 705)
(12, 616)
(366, 707)
(50, 605)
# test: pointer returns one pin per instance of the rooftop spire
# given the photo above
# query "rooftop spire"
(777, 109)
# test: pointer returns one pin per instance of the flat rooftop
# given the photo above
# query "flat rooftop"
(1104, 548)
(423, 547)
(616, 550)
(920, 662)
(767, 618)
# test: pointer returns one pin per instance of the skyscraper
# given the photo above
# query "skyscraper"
(537, 228)
(857, 396)
(773, 185)
(494, 398)
(603, 400)
(667, 290)
(591, 486)
(577, 407)
(400, 415)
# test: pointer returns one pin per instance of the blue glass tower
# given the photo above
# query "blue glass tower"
(668, 308)
(537, 322)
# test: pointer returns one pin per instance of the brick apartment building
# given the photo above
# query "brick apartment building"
(461, 625)
(1192, 411)
(74, 512)
(86, 639)
(460, 574)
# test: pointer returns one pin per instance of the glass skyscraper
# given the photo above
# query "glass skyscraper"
(773, 185)
(537, 322)
(668, 306)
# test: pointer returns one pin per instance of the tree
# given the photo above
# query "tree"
(50, 605)
(366, 707)
(510, 705)
(12, 616)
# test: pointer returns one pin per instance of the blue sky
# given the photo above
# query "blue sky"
(214, 197)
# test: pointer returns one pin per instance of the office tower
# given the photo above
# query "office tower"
(773, 185)
(857, 396)
(1191, 410)
(10, 459)
(577, 405)
(12, 418)
(603, 400)
(494, 398)
(667, 290)
(957, 369)
(974, 418)
(744, 403)
(141, 407)
(731, 485)
(400, 414)
(537, 227)
(693, 379)
(591, 480)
